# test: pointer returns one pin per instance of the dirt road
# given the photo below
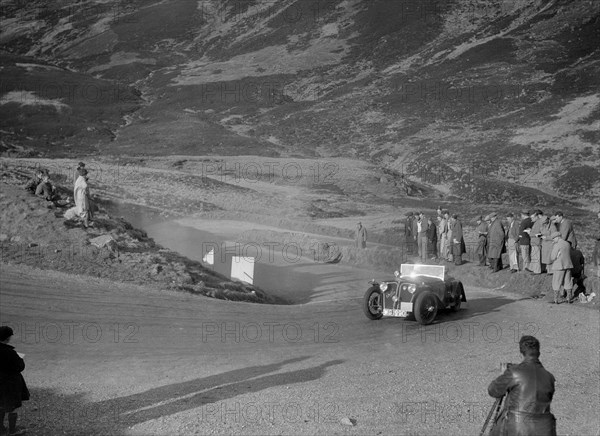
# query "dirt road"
(107, 358)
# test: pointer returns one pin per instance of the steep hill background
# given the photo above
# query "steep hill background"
(484, 97)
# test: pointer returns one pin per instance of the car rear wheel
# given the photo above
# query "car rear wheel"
(373, 303)
(426, 307)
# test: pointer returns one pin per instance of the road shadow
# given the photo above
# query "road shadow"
(51, 412)
(475, 307)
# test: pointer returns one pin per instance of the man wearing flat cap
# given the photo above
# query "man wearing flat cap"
(561, 268)
(495, 242)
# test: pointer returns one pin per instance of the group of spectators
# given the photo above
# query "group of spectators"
(537, 244)
(41, 185)
(442, 239)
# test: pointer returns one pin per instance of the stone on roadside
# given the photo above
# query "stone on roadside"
(104, 241)
(348, 421)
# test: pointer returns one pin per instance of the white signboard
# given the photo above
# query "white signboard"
(242, 268)
(209, 257)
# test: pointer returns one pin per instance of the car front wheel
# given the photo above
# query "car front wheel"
(426, 307)
(372, 303)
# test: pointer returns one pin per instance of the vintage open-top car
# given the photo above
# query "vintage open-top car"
(420, 290)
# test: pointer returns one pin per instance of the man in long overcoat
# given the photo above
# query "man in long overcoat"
(482, 231)
(565, 227)
(511, 242)
(422, 227)
(529, 389)
(547, 227)
(361, 236)
(408, 233)
(561, 268)
(458, 242)
(495, 242)
(535, 234)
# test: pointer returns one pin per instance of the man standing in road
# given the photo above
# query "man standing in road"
(512, 236)
(524, 240)
(482, 231)
(495, 242)
(561, 268)
(361, 236)
(529, 390)
(565, 227)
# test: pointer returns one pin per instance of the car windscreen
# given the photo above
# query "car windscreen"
(411, 269)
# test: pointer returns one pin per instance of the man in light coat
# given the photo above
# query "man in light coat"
(448, 219)
(495, 242)
(565, 227)
(561, 267)
(442, 236)
(548, 227)
(512, 236)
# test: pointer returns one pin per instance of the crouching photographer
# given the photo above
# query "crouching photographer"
(527, 389)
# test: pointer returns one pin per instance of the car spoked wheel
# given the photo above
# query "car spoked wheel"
(426, 307)
(373, 303)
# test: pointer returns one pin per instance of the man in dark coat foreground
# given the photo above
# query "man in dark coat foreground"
(529, 389)
(13, 389)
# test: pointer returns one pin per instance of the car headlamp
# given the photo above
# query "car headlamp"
(410, 288)
(383, 287)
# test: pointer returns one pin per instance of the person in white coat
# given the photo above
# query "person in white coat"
(81, 194)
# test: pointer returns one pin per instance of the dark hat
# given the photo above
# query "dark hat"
(409, 214)
(80, 165)
(555, 235)
(5, 332)
(510, 215)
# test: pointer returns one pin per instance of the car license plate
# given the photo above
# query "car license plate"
(395, 312)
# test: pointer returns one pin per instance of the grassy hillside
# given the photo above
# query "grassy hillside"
(464, 93)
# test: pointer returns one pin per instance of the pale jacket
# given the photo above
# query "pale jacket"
(80, 194)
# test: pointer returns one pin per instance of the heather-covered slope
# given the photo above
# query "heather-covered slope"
(482, 96)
